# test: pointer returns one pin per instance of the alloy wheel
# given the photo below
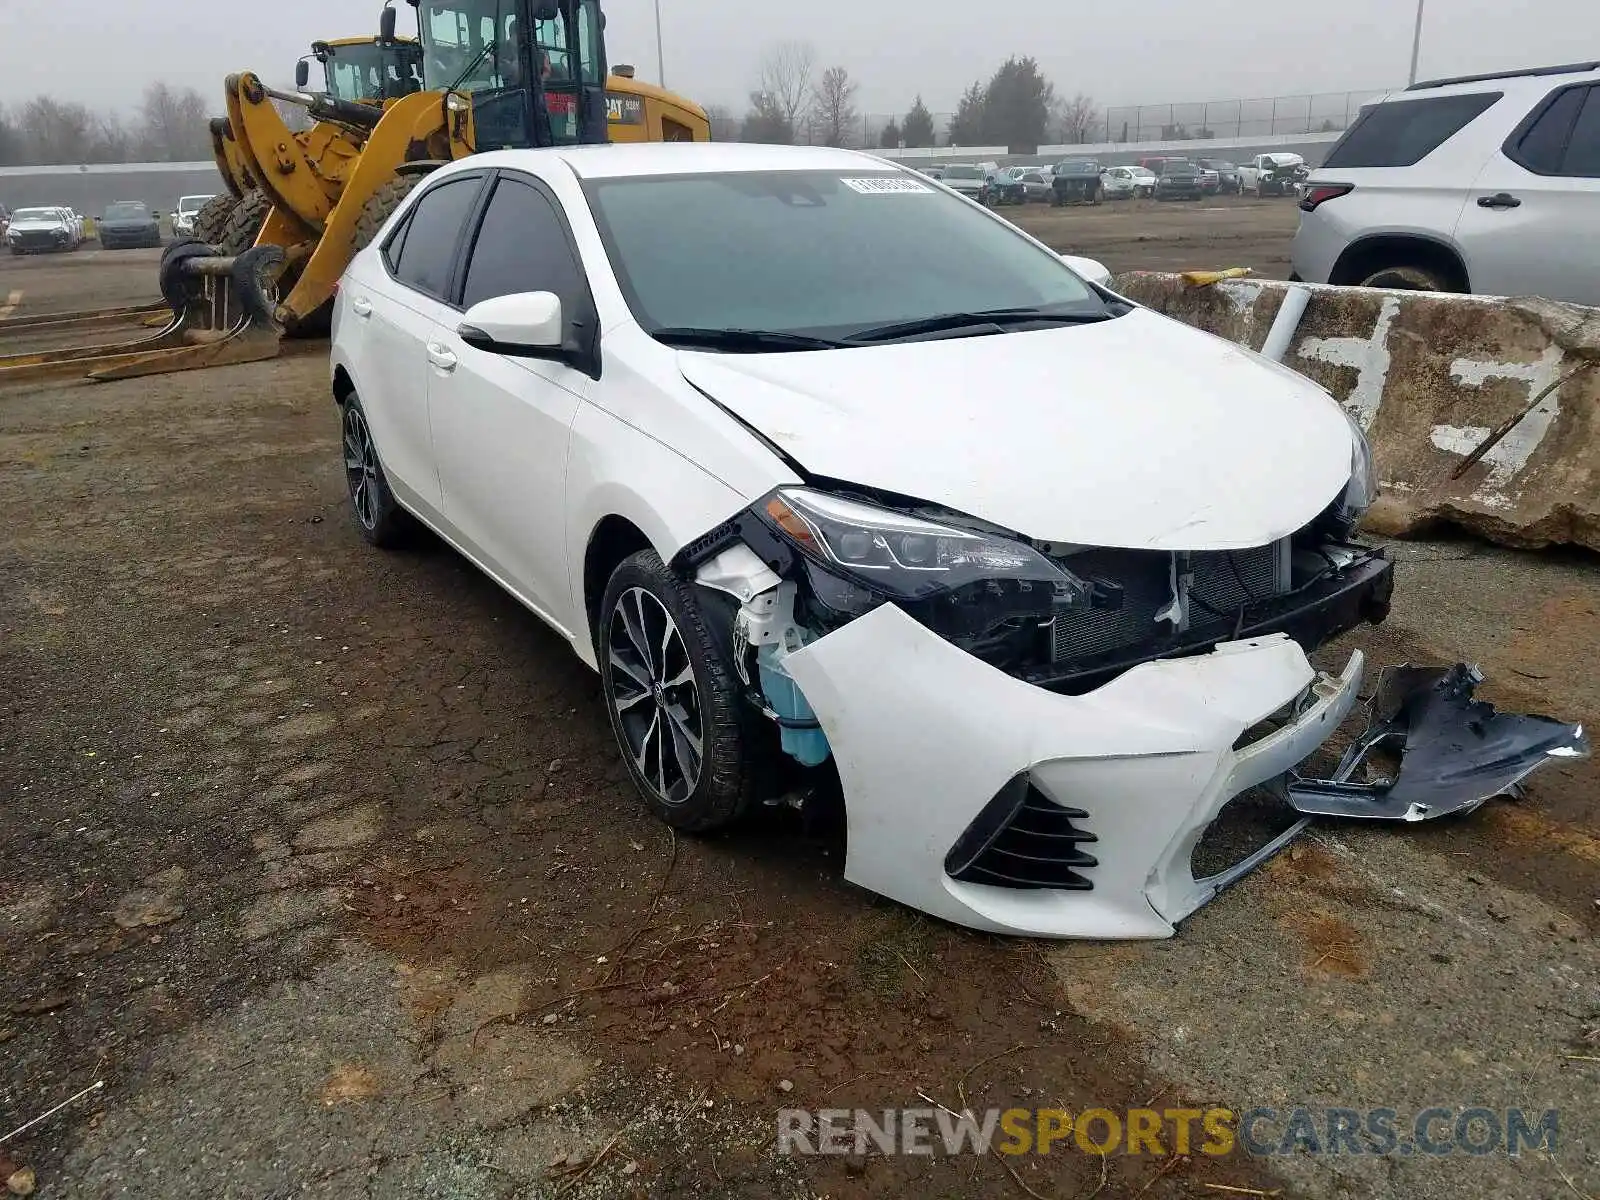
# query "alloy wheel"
(361, 467)
(651, 688)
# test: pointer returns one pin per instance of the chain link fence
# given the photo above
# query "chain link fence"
(1269, 117)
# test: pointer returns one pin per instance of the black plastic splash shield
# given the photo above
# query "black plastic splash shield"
(1457, 751)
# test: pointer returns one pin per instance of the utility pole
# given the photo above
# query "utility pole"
(661, 55)
(1416, 39)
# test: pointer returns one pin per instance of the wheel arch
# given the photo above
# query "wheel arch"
(1361, 257)
(613, 539)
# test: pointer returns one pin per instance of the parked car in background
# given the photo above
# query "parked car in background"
(36, 230)
(964, 178)
(1210, 181)
(932, 172)
(1487, 184)
(183, 216)
(1227, 174)
(1076, 179)
(128, 223)
(1000, 186)
(1277, 174)
(1116, 183)
(1144, 181)
(1176, 179)
(5, 219)
(742, 505)
(1035, 182)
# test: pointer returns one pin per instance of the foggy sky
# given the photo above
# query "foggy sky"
(1138, 52)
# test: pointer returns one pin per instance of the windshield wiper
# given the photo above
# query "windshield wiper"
(993, 320)
(745, 341)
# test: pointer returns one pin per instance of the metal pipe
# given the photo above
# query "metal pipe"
(1416, 43)
(1286, 323)
(661, 54)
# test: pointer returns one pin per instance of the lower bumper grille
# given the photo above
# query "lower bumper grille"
(1224, 581)
(1022, 839)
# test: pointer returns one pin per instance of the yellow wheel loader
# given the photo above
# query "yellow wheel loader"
(366, 71)
(496, 74)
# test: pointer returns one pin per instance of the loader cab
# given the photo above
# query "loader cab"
(364, 70)
(532, 72)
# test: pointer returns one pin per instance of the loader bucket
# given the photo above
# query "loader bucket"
(221, 313)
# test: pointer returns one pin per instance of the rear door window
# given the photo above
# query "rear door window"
(427, 255)
(1401, 133)
(1562, 137)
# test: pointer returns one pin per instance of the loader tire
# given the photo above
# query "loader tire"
(379, 208)
(243, 225)
(211, 222)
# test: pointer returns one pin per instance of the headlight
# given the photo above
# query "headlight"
(1363, 487)
(905, 557)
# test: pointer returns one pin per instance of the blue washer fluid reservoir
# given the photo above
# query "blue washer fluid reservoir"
(806, 744)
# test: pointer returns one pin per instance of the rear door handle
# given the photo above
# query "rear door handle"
(1499, 200)
(361, 306)
(440, 357)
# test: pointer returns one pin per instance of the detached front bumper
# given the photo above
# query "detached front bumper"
(937, 751)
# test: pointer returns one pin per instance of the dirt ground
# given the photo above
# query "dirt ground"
(320, 862)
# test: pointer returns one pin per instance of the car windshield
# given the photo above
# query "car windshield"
(126, 212)
(818, 253)
(961, 173)
(1178, 168)
(36, 214)
(189, 204)
(1079, 166)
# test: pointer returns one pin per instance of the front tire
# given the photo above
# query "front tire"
(682, 726)
(1408, 277)
(379, 518)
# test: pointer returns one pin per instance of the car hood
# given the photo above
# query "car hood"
(36, 225)
(1137, 432)
(126, 223)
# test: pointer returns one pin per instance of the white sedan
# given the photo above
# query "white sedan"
(826, 539)
(1121, 183)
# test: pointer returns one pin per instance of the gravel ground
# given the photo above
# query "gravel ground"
(320, 858)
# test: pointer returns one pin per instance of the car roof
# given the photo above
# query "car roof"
(689, 158)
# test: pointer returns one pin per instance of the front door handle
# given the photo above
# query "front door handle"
(361, 306)
(1499, 200)
(440, 357)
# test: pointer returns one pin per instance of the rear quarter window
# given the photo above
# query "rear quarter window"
(1401, 133)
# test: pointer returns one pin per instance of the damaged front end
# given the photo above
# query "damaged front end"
(1033, 737)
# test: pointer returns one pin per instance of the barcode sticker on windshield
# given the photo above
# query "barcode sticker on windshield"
(882, 184)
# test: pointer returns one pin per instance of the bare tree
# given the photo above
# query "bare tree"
(765, 122)
(724, 125)
(1078, 119)
(834, 112)
(173, 124)
(785, 81)
(54, 131)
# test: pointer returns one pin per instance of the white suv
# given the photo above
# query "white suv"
(1486, 184)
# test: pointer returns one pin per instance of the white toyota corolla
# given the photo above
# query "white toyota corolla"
(841, 481)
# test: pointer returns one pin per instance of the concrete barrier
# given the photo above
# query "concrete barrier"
(1430, 377)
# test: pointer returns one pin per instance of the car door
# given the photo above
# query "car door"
(395, 308)
(1528, 226)
(501, 423)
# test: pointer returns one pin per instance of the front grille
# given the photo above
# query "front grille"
(1224, 581)
(36, 241)
(1022, 839)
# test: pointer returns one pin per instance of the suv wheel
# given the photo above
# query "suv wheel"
(1408, 277)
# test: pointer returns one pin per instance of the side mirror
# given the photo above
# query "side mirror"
(1088, 268)
(522, 325)
(302, 74)
(386, 24)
